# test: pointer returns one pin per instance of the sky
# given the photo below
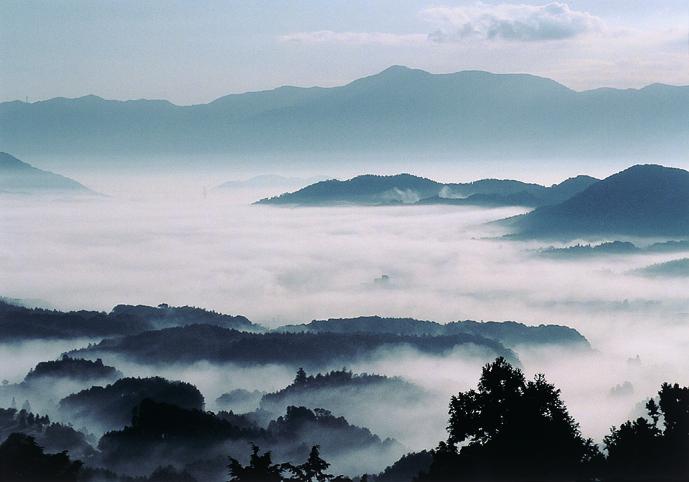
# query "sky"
(194, 52)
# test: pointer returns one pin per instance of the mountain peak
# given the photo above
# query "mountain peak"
(397, 69)
(656, 169)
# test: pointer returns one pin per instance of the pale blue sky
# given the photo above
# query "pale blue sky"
(195, 51)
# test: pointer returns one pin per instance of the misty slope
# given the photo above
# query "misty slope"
(583, 250)
(509, 333)
(408, 189)
(165, 433)
(614, 247)
(644, 200)
(468, 113)
(19, 177)
(268, 181)
(54, 437)
(678, 268)
(344, 392)
(51, 380)
(213, 343)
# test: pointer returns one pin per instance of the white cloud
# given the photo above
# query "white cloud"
(525, 23)
(353, 38)
(553, 21)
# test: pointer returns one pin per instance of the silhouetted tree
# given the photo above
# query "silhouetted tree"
(641, 450)
(313, 470)
(511, 429)
(260, 468)
(23, 460)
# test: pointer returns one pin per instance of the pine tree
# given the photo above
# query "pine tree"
(260, 468)
(300, 379)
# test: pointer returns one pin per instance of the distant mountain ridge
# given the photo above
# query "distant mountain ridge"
(19, 177)
(468, 114)
(643, 200)
(409, 189)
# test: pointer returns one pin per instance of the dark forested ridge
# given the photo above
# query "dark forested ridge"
(409, 189)
(18, 322)
(509, 333)
(468, 114)
(74, 368)
(209, 342)
(644, 200)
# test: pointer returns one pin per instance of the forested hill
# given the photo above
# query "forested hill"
(408, 189)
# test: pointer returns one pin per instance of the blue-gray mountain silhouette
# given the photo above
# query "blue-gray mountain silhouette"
(408, 189)
(398, 111)
(19, 177)
(644, 200)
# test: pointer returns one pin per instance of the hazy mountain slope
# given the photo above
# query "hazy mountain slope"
(644, 200)
(19, 177)
(678, 268)
(399, 110)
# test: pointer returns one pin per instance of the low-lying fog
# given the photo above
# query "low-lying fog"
(291, 265)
